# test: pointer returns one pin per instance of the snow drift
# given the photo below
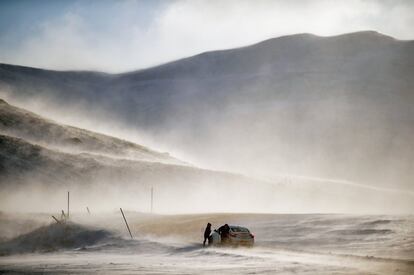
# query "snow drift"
(55, 237)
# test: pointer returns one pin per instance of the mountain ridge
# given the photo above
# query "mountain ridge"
(370, 33)
(332, 107)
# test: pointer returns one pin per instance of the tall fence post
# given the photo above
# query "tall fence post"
(68, 205)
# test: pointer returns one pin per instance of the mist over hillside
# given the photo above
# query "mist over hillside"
(34, 178)
(40, 162)
(330, 107)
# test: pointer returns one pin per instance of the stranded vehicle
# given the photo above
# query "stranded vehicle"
(238, 235)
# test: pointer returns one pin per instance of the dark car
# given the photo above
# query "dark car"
(238, 235)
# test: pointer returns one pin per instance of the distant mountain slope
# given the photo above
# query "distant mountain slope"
(34, 177)
(24, 124)
(337, 107)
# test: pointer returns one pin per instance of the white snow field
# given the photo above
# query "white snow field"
(285, 244)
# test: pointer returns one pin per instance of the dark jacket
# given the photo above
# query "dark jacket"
(207, 231)
(224, 230)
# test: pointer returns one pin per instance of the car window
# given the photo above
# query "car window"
(239, 229)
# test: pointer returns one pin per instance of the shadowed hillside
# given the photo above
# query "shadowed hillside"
(24, 124)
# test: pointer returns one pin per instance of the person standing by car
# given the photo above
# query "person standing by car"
(224, 233)
(207, 233)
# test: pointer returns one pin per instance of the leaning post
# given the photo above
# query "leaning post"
(126, 223)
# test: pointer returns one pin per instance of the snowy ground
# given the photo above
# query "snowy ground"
(285, 244)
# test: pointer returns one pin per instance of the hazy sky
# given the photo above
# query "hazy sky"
(118, 36)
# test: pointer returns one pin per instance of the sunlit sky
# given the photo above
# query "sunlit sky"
(116, 36)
